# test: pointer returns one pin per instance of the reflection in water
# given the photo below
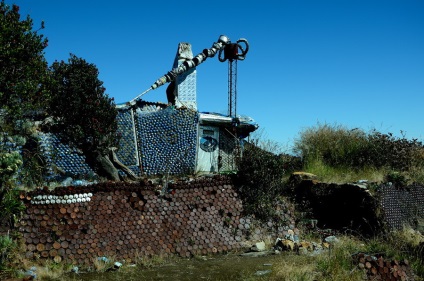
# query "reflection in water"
(226, 267)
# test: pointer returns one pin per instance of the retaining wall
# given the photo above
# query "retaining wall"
(80, 223)
(403, 206)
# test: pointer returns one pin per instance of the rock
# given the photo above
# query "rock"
(303, 251)
(263, 272)
(307, 245)
(331, 239)
(284, 244)
(297, 177)
(104, 259)
(258, 247)
(66, 182)
(257, 254)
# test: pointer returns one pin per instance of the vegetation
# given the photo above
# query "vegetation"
(259, 179)
(83, 114)
(6, 247)
(337, 153)
(23, 73)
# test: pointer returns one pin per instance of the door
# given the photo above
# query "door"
(208, 146)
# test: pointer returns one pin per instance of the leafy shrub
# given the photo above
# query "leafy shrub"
(339, 147)
(9, 165)
(397, 153)
(259, 180)
(6, 247)
(396, 178)
(11, 207)
(334, 145)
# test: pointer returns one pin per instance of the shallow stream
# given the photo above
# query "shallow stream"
(224, 267)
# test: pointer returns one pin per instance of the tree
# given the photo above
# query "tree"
(84, 116)
(23, 72)
(259, 178)
(23, 69)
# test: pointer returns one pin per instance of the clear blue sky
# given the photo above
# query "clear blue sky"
(357, 63)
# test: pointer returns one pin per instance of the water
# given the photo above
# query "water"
(224, 267)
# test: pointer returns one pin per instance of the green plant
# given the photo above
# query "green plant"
(260, 179)
(84, 116)
(11, 207)
(397, 178)
(334, 150)
(23, 95)
(9, 164)
(7, 245)
(336, 145)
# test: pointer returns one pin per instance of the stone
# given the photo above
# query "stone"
(331, 239)
(284, 244)
(262, 272)
(258, 247)
(257, 254)
(297, 177)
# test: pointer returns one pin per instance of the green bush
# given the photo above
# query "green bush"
(6, 247)
(260, 180)
(397, 153)
(336, 146)
(11, 208)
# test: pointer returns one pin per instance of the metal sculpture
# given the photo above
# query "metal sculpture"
(223, 44)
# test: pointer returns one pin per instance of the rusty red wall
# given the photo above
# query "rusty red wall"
(129, 220)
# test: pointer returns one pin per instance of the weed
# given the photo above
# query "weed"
(7, 245)
(336, 150)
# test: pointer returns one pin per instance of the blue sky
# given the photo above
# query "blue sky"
(353, 63)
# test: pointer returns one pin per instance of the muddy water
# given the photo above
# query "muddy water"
(226, 267)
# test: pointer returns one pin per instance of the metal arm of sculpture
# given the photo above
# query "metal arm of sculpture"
(171, 75)
(223, 44)
(200, 58)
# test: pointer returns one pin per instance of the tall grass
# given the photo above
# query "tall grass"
(349, 154)
(7, 245)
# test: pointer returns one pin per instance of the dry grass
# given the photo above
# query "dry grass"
(326, 265)
(409, 236)
(340, 175)
(295, 268)
(50, 271)
(102, 264)
(153, 261)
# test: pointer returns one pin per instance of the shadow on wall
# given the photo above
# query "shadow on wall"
(344, 207)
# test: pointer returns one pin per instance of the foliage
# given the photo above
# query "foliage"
(396, 178)
(399, 154)
(83, 114)
(6, 247)
(34, 168)
(23, 74)
(334, 145)
(9, 165)
(259, 177)
(11, 207)
(336, 262)
(23, 70)
(355, 151)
